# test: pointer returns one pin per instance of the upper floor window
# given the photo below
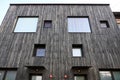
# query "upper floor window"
(118, 23)
(47, 24)
(109, 75)
(104, 24)
(26, 24)
(7, 75)
(78, 24)
(77, 50)
(39, 50)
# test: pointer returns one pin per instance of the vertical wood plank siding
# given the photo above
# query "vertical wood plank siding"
(100, 47)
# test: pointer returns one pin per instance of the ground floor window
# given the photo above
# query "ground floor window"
(79, 77)
(109, 75)
(36, 77)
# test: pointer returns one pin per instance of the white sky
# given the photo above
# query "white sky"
(4, 4)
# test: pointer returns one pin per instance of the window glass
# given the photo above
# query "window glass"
(116, 75)
(78, 25)
(104, 24)
(76, 52)
(36, 77)
(11, 75)
(26, 24)
(47, 24)
(2, 74)
(79, 78)
(40, 52)
(105, 75)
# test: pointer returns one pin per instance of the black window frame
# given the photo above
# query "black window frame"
(47, 21)
(105, 22)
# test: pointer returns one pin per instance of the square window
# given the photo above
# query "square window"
(77, 50)
(26, 24)
(104, 24)
(47, 24)
(36, 77)
(40, 50)
(78, 24)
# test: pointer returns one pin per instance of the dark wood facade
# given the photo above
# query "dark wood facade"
(100, 47)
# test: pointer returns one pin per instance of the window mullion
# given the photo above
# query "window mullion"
(112, 75)
(5, 72)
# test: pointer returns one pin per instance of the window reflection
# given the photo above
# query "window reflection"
(105, 75)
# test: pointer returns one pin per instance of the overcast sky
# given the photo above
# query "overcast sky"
(4, 4)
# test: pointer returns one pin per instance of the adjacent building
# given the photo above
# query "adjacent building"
(60, 42)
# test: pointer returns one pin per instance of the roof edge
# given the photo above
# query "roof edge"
(116, 14)
(95, 4)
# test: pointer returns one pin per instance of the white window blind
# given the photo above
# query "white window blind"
(78, 25)
(26, 24)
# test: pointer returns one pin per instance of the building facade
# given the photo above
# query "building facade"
(60, 42)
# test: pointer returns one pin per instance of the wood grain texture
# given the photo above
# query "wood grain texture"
(100, 47)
